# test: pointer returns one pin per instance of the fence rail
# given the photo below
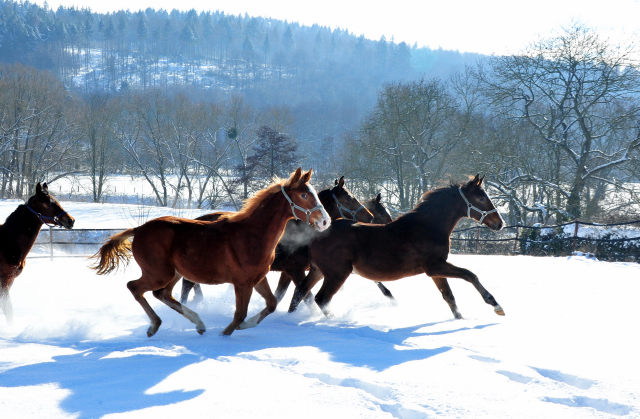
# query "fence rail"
(617, 242)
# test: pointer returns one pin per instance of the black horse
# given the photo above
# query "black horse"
(19, 233)
(416, 242)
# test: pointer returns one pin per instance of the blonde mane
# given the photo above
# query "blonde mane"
(250, 204)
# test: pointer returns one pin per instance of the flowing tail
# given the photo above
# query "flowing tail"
(114, 252)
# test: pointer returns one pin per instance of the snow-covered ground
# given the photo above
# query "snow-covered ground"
(567, 347)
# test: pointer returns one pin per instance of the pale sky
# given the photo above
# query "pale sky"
(484, 26)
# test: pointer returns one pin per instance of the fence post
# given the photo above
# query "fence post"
(477, 237)
(515, 243)
(575, 237)
(51, 242)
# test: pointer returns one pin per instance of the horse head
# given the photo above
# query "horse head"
(304, 201)
(479, 205)
(380, 212)
(47, 208)
(343, 204)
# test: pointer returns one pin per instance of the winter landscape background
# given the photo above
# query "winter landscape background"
(566, 347)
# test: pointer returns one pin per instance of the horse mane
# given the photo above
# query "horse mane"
(252, 203)
(13, 218)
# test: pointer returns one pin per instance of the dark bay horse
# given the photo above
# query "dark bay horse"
(416, 242)
(297, 262)
(237, 248)
(19, 232)
(292, 252)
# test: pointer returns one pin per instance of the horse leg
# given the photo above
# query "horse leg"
(137, 289)
(164, 295)
(187, 286)
(5, 303)
(447, 270)
(265, 291)
(330, 286)
(283, 285)
(385, 291)
(314, 276)
(445, 290)
(303, 288)
(243, 295)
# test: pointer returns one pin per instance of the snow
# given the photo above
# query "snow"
(567, 347)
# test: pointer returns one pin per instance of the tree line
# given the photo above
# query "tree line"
(556, 130)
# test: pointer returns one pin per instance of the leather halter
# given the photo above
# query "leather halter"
(295, 207)
(345, 209)
(471, 207)
(55, 221)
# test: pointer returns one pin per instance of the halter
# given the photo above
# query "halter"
(345, 209)
(44, 218)
(471, 207)
(295, 207)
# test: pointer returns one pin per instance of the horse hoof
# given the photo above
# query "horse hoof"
(458, 316)
(200, 331)
(500, 312)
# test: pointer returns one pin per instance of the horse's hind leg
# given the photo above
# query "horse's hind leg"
(187, 286)
(243, 295)
(447, 270)
(5, 303)
(164, 295)
(137, 289)
(445, 290)
(265, 291)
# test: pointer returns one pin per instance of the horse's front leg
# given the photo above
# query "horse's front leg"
(265, 291)
(445, 269)
(243, 295)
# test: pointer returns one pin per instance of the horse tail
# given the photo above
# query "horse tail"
(115, 251)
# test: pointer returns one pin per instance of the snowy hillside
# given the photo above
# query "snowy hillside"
(567, 347)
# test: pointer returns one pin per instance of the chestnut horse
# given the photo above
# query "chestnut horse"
(19, 232)
(415, 242)
(292, 250)
(237, 248)
(300, 260)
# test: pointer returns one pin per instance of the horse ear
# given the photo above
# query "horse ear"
(45, 188)
(341, 182)
(335, 183)
(296, 176)
(38, 188)
(378, 198)
(480, 181)
(306, 177)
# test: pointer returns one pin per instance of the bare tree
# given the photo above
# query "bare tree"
(579, 92)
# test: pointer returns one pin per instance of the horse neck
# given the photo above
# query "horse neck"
(442, 211)
(22, 226)
(329, 204)
(270, 219)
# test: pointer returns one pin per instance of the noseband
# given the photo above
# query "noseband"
(295, 207)
(55, 221)
(471, 207)
(345, 209)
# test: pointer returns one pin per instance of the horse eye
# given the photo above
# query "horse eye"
(304, 196)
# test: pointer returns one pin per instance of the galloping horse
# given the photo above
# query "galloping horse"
(415, 242)
(292, 252)
(19, 232)
(237, 248)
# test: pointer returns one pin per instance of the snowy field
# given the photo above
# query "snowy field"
(567, 347)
